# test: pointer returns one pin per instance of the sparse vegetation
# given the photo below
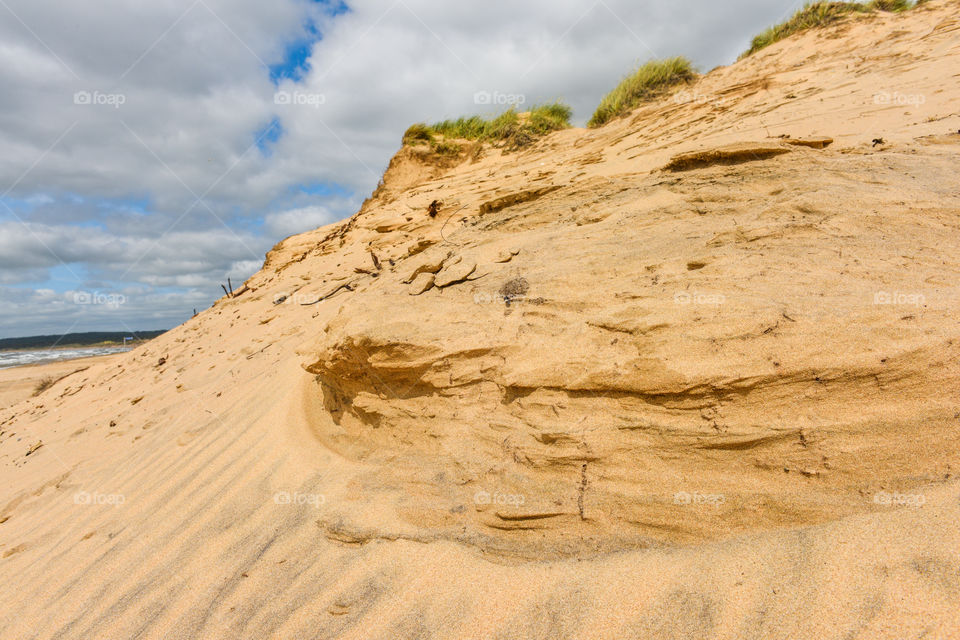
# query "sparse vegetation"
(892, 5)
(512, 129)
(814, 14)
(447, 148)
(647, 82)
(43, 384)
(417, 133)
(818, 14)
(549, 117)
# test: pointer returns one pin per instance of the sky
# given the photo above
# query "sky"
(151, 150)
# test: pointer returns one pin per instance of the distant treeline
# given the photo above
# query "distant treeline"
(75, 339)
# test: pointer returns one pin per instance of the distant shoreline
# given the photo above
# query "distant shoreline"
(17, 358)
(63, 347)
(76, 340)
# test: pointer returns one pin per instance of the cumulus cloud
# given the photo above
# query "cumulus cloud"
(287, 223)
(168, 145)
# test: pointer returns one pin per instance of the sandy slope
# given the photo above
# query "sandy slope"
(19, 383)
(677, 377)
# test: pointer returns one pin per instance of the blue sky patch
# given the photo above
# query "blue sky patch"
(297, 53)
(268, 135)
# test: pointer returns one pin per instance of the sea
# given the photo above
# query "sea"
(42, 356)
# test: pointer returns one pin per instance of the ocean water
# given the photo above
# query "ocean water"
(40, 356)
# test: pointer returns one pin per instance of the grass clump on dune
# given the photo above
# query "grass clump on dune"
(549, 117)
(818, 14)
(417, 133)
(511, 128)
(43, 384)
(895, 6)
(648, 81)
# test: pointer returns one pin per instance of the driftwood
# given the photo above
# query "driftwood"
(231, 293)
(259, 352)
(329, 295)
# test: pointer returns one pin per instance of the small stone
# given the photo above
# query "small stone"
(506, 255)
(421, 283)
(456, 272)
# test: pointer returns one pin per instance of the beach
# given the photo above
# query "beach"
(20, 382)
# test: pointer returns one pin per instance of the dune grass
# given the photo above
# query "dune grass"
(509, 128)
(552, 116)
(818, 14)
(895, 6)
(43, 384)
(646, 82)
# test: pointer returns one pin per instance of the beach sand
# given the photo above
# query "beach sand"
(19, 383)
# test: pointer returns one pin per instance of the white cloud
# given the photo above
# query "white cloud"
(288, 223)
(240, 271)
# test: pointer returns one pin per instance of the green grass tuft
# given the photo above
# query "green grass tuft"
(818, 14)
(507, 128)
(417, 133)
(650, 80)
(471, 128)
(895, 6)
(545, 118)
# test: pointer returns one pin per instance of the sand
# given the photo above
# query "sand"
(19, 383)
(689, 375)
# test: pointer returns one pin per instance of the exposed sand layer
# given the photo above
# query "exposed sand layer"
(691, 375)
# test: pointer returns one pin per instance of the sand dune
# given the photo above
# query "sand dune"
(689, 375)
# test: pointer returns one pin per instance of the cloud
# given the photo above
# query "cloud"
(288, 223)
(53, 313)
